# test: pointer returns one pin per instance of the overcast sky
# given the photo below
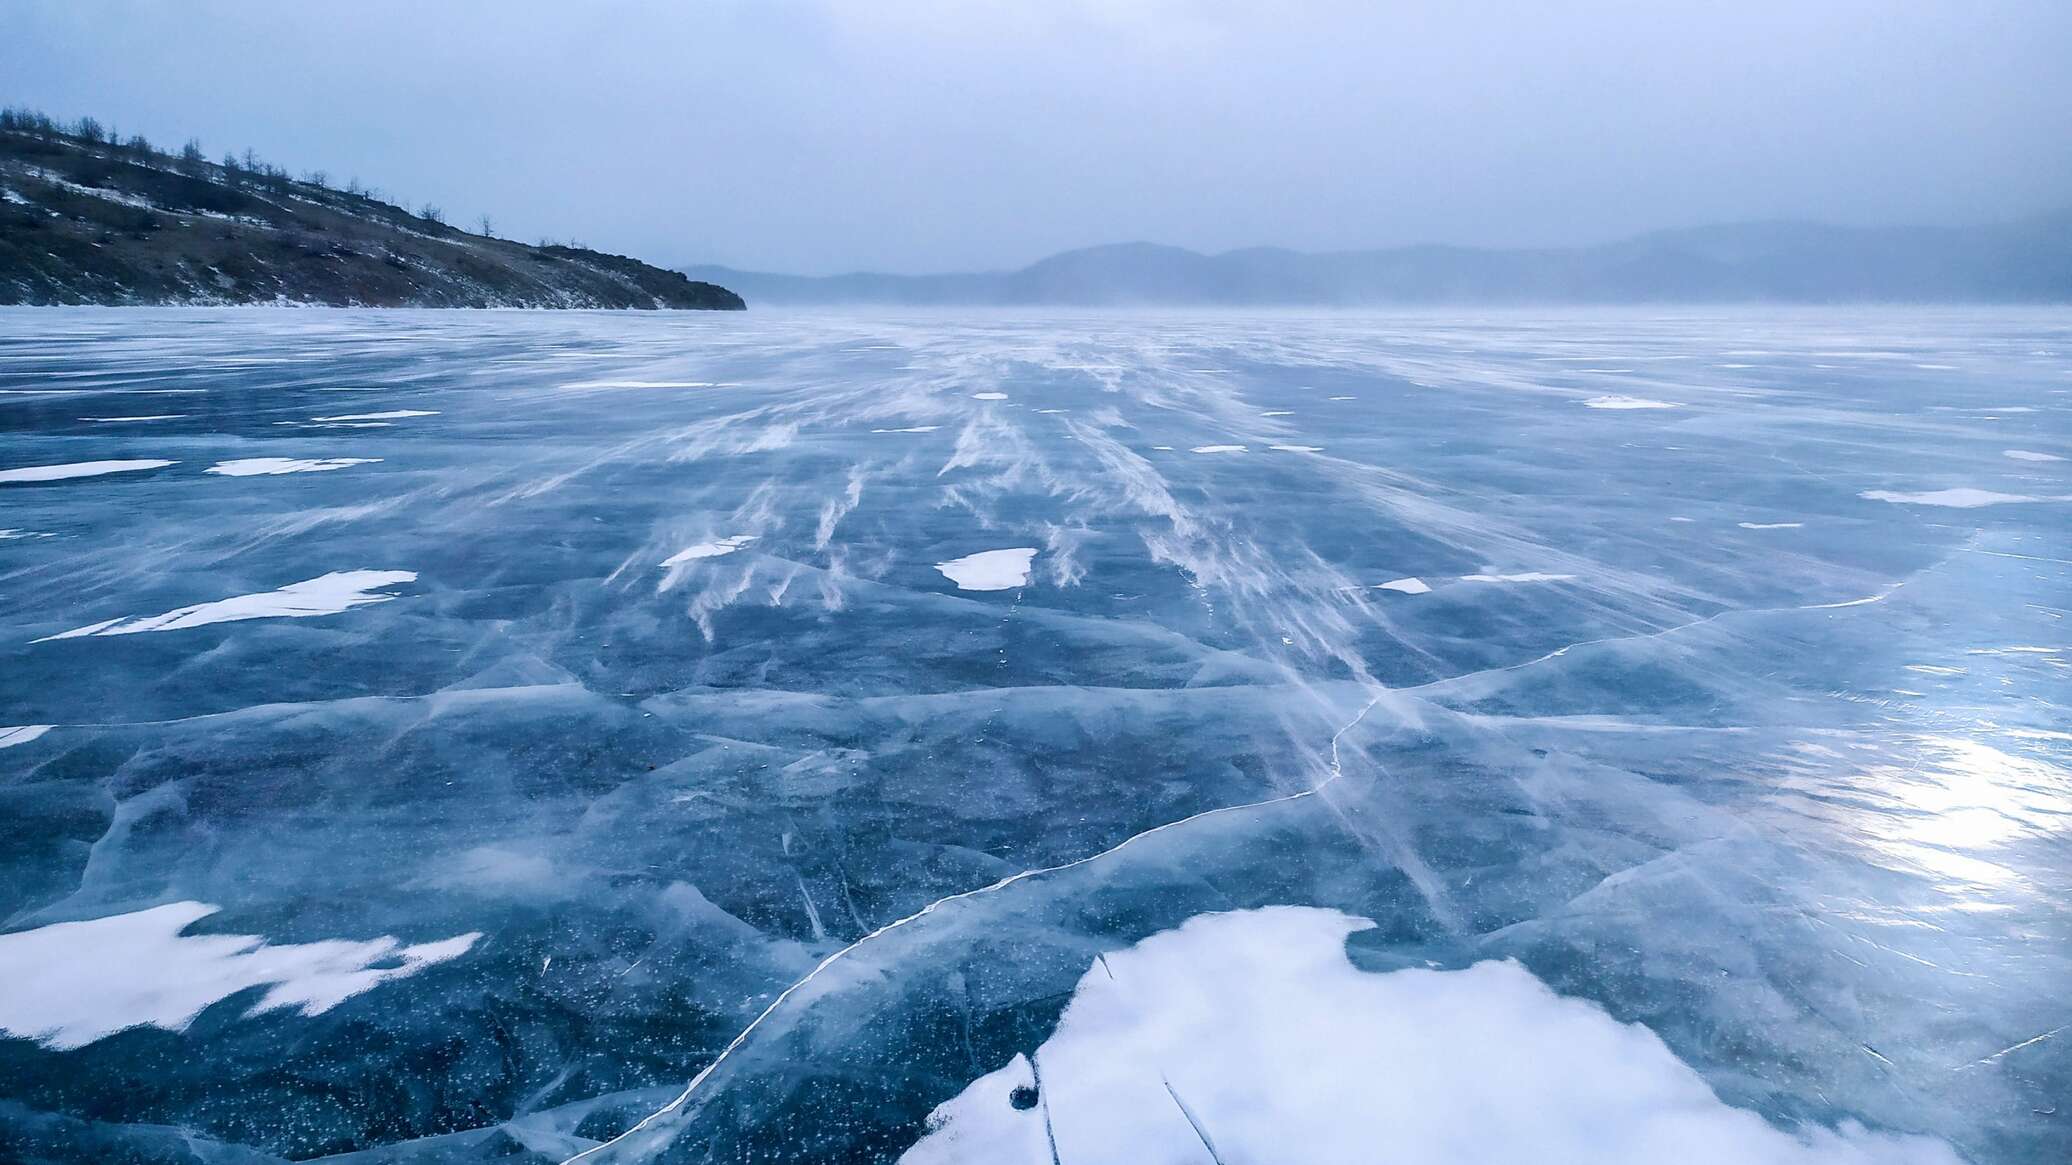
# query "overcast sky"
(918, 135)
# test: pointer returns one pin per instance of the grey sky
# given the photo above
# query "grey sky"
(917, 135)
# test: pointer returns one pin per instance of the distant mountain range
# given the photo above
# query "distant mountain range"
(85, 219)
(2029, 261)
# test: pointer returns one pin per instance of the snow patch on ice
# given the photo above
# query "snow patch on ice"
(989, 396)
(1407, 586)
(1620, 401)
(1962, 498)
(259, 466)
(1770, 525)
(21, 734)
(990, 570)
(910, 429)
(391, 415)
(152, 417)
(80, 469)
(1298, 448)
(1239, 1035)
(325, 595)
(70, 983)
(1218, 449)
(2029, 455)
(1530, 576)
(726, 545)
(643, 384)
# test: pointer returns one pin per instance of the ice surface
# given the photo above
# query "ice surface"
(775, 851)
(70, 983)
(79, 469)
(1248, 1037)
(990, 570)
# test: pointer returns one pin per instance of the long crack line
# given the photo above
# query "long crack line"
(705, 1073)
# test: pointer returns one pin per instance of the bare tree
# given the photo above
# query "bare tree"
(90, 129)
(191, 158)
(488, 227)
(431, 213)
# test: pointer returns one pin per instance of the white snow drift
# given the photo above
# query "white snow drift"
(262, 466)
(1250, 1037)
(70, 983)
(990, 570)
(326, 595)
(80, 469)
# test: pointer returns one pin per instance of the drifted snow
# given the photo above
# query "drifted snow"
(21, 734)
(79, 469)
(325, 595)
(1619, 401)
(258, 466)
(1962, 498)
(709, 549)
(70, 983)
(1249, 1037)
(990, 570)
(1408, 586)
(1530, 576)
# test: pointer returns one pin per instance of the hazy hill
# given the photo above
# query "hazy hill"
(87, 220)
(2027, 261)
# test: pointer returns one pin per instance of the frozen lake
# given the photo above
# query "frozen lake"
(1602, 737)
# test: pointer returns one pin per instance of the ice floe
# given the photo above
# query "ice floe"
(21, 734)
(714, 549)
(260, 466)
(325, 595)
(80, 469)
(990, 570)
(1963, 497)
(1243, 1036)
(1407, 586)
(1620, 401)
(70, 983)
(391, 415)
